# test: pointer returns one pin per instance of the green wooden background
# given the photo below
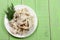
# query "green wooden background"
(48, 13)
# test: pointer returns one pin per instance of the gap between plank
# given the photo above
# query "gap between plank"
(49, 19)
(21, 2)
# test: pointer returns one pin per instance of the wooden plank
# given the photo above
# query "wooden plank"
(41, 8)
(3, 33)
(43, 16)
(55, 19)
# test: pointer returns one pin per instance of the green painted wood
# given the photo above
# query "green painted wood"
(3, 33)
(43, 31)
(55, 19)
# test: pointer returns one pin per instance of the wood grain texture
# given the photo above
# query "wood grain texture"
(3, 32)
(55, 19)
(43, 16)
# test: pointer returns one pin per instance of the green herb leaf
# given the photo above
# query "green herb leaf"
(10, 12)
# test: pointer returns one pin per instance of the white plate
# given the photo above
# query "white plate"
(31, 30)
